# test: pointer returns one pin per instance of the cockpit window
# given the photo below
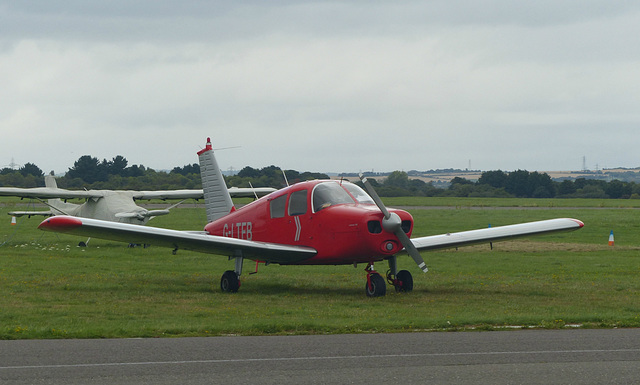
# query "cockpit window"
(329, 194)
(358, 193)
(298, 203)
(276, 206)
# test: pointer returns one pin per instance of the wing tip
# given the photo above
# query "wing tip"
(579, 222)
(60, 223)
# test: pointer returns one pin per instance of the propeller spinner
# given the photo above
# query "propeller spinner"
(392, 223)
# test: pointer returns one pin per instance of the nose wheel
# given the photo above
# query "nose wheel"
(403, 281)
(377, 287)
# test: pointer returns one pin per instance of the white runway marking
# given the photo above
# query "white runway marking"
(283, 359)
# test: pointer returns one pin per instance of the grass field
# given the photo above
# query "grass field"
(53, 289)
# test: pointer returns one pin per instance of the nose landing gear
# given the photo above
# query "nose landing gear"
(403, 281)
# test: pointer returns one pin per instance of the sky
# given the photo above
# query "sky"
(322, 86)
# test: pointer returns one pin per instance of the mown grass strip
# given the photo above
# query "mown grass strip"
(53, 289)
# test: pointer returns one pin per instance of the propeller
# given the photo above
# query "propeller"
(392, 223)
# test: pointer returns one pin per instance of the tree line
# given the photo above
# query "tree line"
(518, 184)
(116, 174)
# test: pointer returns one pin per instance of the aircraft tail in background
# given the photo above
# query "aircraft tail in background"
(50, 181)
(58, 207)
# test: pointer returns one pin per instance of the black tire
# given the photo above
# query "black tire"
(405, 281)
(378, 286)
(229, 282)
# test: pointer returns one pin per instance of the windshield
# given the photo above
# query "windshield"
(329, 194)
(358, 193)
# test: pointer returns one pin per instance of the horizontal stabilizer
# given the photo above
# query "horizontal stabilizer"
(156, 213)
(30, 213)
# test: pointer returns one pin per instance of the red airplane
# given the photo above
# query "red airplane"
(320, 222)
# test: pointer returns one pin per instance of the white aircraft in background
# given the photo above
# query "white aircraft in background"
(110, 205)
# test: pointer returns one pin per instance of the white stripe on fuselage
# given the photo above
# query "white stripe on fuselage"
(298, 228)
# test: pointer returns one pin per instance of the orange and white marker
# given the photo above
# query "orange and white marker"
(13, 221)
(611, 238)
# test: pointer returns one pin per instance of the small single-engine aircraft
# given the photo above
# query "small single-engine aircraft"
(109, 205)
(320, 222)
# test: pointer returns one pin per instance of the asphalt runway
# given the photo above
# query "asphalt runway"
(505, 357)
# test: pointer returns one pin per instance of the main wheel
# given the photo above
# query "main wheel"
(229, 282)
(405, 281)
(378, 286)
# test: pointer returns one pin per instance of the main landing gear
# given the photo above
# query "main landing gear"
(375, 287)
(401, 280)
(230, 282)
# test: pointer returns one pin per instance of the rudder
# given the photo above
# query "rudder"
(217, 200)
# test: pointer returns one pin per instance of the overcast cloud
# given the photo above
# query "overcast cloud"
(322, 86)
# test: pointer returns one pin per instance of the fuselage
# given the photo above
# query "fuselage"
(106, 208)
(338, 219)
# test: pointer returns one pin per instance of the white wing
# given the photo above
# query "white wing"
(52, 193)
(49, 193)
(178, 240)
(494, 234)
(235, 192)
